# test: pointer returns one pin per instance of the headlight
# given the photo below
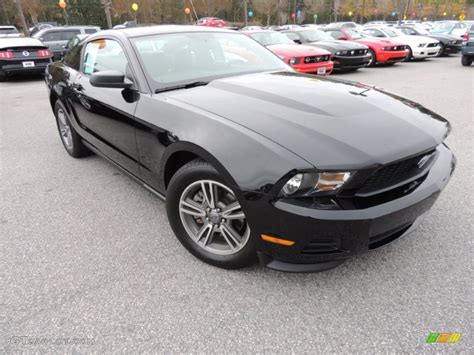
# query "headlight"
(421, 44)
(294, 61)
(311, 183)
(452, 42)
(338, 53)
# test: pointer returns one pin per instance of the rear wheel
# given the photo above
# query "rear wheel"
(373, 59)
(207, 218)
(71, 140)
(466, 61)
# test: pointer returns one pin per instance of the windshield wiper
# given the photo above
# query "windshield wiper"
(182, 86)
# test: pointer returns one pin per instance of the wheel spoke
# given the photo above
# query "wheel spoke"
(210, 193)
(206, 231)
(192, 208)
(62, 117)
(229, 235)
(233, 211)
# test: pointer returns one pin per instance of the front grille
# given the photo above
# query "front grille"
(431, 45)
(321, 246)
(395, 48)
(353, 53)
(396, 173)
(316, 59)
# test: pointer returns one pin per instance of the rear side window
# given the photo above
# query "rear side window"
(67, 35)
(292, 36)
(90, 30)
(51, 36)
(104, 54)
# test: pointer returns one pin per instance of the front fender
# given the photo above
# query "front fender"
(250, 161)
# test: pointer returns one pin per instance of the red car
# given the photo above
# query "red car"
(382, 50)
(304, 59)
(211, 22)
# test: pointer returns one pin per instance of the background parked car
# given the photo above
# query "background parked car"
(41, 26)
(381, 50)
(22, 55)
(346, 55)
(455, 28)
(447, 43)
(419, 47)
(305, 59)
(9, 31)
(468, 48)
(56, 38)
(211, 22)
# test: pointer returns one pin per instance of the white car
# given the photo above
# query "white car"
(419, 47)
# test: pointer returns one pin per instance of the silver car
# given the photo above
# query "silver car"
(56, 38)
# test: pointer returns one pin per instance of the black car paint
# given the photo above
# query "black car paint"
(333, 46)
(257, 131)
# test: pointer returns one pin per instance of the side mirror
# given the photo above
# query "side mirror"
(342, 38)
(297, 41)
(110, 79)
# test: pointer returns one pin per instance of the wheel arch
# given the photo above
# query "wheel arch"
(180, 153)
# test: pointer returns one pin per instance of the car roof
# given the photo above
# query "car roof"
(19, 42)
(63, 28)
(7, 26)
(159, 29)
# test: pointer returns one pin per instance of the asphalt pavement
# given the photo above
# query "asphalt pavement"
(89, 263)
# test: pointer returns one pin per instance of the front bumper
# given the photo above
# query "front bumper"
(452, 48)
(391, 56)
(313, 67)
(325, 238)
(350, 62)
(425, 52)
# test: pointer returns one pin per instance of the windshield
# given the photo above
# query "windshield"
(180, 58)
(442, 27)
(316, 35)
(269, 38)
(392, 32)
(355, 34)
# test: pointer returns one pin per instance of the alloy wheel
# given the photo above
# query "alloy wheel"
(213, 218)
(64, 128)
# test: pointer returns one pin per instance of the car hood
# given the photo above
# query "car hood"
(296, 50)
(415, 39)
(334, 46)
(332, 124)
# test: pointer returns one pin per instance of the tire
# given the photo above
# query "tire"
(71, 140)
(442, 48)
(409, 55)
(466, 61)
(213, 246)
(3, 76)
(373, 61)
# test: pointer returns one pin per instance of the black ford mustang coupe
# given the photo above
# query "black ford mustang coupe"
(253, 158)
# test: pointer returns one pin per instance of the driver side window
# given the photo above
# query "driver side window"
(104, 54)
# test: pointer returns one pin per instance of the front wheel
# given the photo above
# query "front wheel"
(207, 218)
(409, 55)
(373, 59)
(441, 49)
(466, 61)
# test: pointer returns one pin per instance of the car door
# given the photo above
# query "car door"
(107, 114)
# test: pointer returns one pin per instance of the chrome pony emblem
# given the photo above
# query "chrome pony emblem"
(26, 53)
(421, 163)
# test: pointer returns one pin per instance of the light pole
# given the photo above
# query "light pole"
(246, 12)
